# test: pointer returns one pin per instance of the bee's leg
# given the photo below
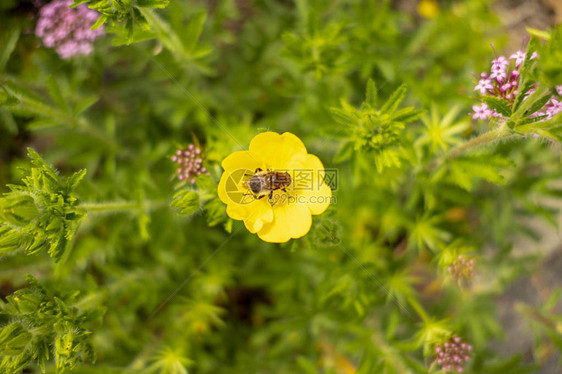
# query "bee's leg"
(258, 170)
(260, 197)
(284, 189)
(270, 194)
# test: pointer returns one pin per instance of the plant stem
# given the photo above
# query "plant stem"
(501, 133)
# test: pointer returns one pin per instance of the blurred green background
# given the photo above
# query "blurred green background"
(199, 293)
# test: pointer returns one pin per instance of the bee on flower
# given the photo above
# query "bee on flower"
(274, 187)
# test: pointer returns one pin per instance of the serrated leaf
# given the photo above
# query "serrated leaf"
(78, 2)
(187, 202)
(75, 179)
(408, 114)
(522, 125)
(341, 116)
(8, 46)
(371, 94)
(524, 88)
(153, 3)
(538, 104)
(85, 104)
(394, 100)
(99, 22)
(193, 31)
(499, 105)
(141, 20)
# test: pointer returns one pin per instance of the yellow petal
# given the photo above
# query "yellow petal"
(317, 199)
(276, 150)
(260, 214)
(254, 214)
(241, 160)
(221, 189)
(228, 189)
(290, 221)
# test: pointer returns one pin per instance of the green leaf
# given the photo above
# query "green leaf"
(550, 68)
(13, 339)
(193, 31)
(394, 100)
(55, 92)
(344, 153)
(99, 22)
(84, 105)
(499, 105)
(8, 121)
(341, 116)
(153, 3)
(141, 20)
(538, 104)
(186, 202)
(8, 46)
(407, 115)
(371, 94)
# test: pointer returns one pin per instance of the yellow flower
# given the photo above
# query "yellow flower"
(428, 8)
(283, 213)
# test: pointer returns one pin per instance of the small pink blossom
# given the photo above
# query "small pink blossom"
(553, 107)
(481, 112)
(484, 85)
(519, 57)
(501, 61)
(190, 163)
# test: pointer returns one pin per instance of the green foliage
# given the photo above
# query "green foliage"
(369, 289)
(378, 132)
(550, 70)
(41, 327)
(123, 16)
(42, 214)
(187, 202)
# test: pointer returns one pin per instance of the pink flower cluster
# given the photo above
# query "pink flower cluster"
(462, 268)
(453, 354)
(67, 30)
(503, 82)
(190, 164)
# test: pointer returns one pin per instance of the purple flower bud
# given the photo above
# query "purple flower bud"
(452, 354)
(190, 165)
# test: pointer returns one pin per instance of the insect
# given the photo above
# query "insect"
(263, 183)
